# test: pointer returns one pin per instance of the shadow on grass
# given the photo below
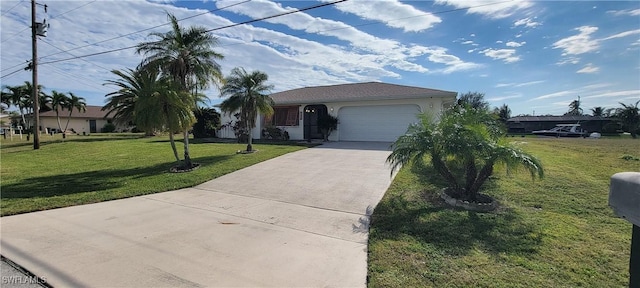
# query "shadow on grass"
(234, 141)
(91, 181)
(453, 231)
(101, 138)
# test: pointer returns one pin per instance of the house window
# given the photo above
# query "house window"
(285, 116)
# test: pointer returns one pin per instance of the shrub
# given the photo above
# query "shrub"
(327, 123)
(463, 146)
(108, 128)
(208, 121)
(611, 128)
(275, 133)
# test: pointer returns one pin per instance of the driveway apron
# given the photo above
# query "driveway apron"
(298, 220)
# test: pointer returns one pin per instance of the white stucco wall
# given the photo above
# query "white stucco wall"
(77, 124)
(432, 105)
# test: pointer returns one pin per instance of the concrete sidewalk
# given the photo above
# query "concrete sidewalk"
(297, 220)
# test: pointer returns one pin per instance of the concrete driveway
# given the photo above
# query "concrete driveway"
(297, 220)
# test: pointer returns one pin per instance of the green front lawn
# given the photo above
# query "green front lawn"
(554, 232)
(89, 169)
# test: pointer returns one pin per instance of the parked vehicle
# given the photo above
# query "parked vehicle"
(563, 130)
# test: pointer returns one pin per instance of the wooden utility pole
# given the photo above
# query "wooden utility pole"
(34, 74)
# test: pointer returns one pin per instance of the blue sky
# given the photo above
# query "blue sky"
(535, 56)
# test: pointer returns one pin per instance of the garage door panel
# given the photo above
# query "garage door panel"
(375, 123)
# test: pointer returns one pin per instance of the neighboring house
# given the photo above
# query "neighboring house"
(527, 124)
(369, 111)
(90, 121)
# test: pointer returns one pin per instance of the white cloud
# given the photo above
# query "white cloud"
(527, 22)
(499, 42)
(580, 43)
(616, 94)
(502, 98)
(584, 43)
(499, 85)
(555, 95)
(467, 42)
(622, 34)
(385, 51)
(515, 44)
(588, 69)
(454, 64)
(568, 60)
(506, 55)
(495, 10)
(573, 92)
(635, 12)
(396, 14)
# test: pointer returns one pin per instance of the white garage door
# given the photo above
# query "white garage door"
(375, 123)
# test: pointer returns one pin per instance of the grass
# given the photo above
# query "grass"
(90, 169)
(554, 232)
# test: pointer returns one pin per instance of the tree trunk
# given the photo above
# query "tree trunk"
(484, 174)
(250, 142)
(187, 157)
(442, 169)
(64, 132)
(173, 146)
(471, 173)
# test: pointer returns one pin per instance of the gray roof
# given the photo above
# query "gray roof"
(355, 92)
(93, 112)
(557, 118)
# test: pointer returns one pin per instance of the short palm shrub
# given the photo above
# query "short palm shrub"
(327, 123)
(463, 147)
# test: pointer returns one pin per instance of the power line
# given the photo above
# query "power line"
(270, 17)
(14, 72)
(74, 55)
(277, 15)
(14, 6)
(74, 9)
(147, 29)
(85, 4)
(214, 29)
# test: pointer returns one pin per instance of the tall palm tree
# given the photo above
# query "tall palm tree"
(598, 111)
(629, 116)
(503, 112)
(148, 101)
(248, 94)
(463, 147)
(168, 109)
(187, 56)
(58, 101)
(74, 102)
(574, 108)
(14, 96)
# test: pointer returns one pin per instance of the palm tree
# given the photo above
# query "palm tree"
(473, 99)
(598, 111)
(186, 55)
(14, 96)
(247, 94)
(74, 102)
(629, 116)
(166, 108)
(574, 108)
(58, 100)
(463, 147)
(503, 112)
(151, 102)
(121, 103)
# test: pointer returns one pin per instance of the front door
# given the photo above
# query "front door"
(311, 115)
(92, 126)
